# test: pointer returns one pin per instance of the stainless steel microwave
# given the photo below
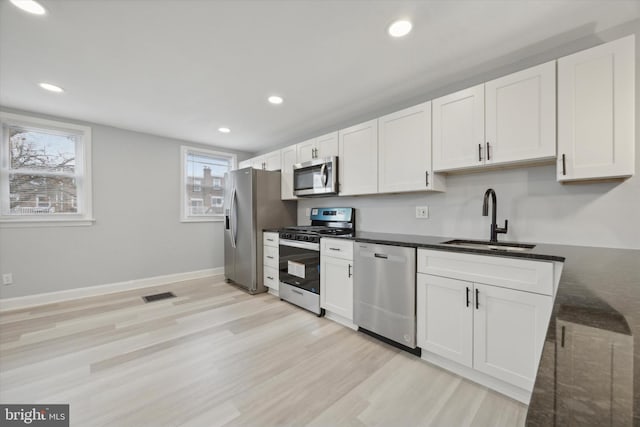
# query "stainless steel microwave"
(318, 177)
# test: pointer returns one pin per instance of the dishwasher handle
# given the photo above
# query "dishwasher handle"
(383, 256)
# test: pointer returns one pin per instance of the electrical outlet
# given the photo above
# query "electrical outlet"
(422, 212)
(7, 279)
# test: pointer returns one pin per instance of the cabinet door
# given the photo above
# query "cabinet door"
(520, 116)
(257, 162)
(272, 161)
(509, 331)
(288, 156)
(458, 130)
(336, 286)
(327, 145)
(245, 164)
(596, 100)
(358, 162)
(445, 317)
(306, 150)
(271, 278)
(404, 150)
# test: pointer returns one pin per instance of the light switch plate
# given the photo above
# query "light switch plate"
(422, 212)
(7, 279)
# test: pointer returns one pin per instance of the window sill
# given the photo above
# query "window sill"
(45, 222)
(201, 219)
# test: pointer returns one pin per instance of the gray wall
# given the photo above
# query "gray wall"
(137, 233)
(538, 208)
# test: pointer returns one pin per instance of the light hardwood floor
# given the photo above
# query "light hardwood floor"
(216, 356)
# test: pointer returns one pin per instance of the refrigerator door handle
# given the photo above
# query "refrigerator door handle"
(233, 218)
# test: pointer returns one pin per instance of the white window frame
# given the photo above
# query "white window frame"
(184, 197)
(84, 217)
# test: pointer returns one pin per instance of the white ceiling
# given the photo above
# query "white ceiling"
(183, 68)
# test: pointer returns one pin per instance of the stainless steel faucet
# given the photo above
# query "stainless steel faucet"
(485, 212)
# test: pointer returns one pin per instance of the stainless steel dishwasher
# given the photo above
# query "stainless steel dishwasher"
(384, 294)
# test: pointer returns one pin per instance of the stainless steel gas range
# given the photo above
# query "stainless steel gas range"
(299, 254)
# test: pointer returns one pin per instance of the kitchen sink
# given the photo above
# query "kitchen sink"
(494, 246)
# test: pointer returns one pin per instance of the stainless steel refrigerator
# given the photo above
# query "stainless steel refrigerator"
(251, 204)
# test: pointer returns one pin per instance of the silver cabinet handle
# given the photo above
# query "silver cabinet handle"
(350, 273)
(479, 152)
(269, 240)
(488, 152)
(564, 165)
(269, 277)
(383, 256)
(426, 178)
(335, 249)
(296, 292)
(270, 257)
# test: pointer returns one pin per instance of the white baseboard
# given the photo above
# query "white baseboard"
(481, 378)
(340, 319)
(90, 291)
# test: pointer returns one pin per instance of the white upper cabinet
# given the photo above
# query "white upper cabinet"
(245, 164)
(505, 121)
(358, 159)
(327, 145)
(596, 111)
(317, 148)
(520, 116)
(288, 157)
(458, 130)
(404, 151)
(306, 150)
(270, 161)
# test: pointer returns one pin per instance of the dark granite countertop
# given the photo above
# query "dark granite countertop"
(589, 374)
(541, 252)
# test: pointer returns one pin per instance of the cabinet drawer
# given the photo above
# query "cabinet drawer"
(514, 273)
(271, 256)
(337, 248)
(270, 239)
(271, 278)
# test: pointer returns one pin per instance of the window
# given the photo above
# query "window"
(203, 183)
(45, 172)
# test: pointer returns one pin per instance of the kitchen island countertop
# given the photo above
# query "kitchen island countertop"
(589, 373)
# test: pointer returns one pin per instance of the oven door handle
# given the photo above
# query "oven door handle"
(301, 245)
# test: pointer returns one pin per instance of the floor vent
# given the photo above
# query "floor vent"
(157, 297)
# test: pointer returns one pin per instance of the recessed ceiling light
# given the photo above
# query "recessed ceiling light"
(51, 88)
(274, 99)
(30, 6)
(224, 130)
(400, 28)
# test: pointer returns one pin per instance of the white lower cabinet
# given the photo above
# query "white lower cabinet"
(271, 260)
(490, 333)
(445, 320)
(336, 278)
(509, 328)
